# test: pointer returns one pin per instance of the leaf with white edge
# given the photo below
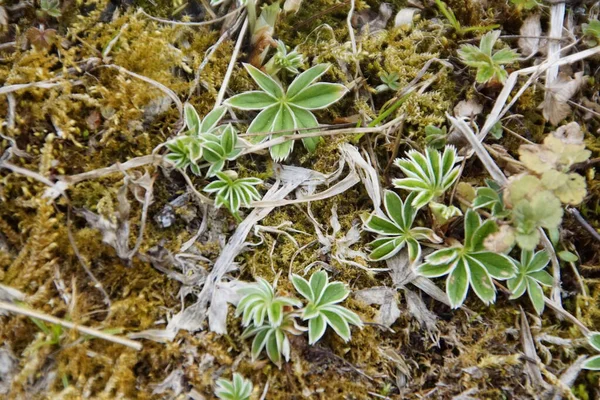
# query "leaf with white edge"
(482, 283)
(192, 119)
(592, 364)
(211, 120)
(254, 100)
(434, 271)
(316, 329)
(263, 123)
(319, 96)
(266, 83)
(536, 295)
(306, 79)
(306, 119)
(457, 284)
(594, 340)
(303, 287)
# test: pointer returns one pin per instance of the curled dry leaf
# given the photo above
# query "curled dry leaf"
(558, 93)
(531, 30)
(384, 297)
(468, 109)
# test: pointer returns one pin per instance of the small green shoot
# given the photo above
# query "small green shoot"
(489, 63)
(396, 231)
(233, 192)
(238, 388)
(259, 301)
(390, 82)
(530, 275)
(284, 60)
(323, 309)
(429, 175)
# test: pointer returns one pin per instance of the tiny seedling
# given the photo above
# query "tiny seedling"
(218, 149)
(323, 308)
(436, 137)
(489, 63)
(396, 229)
(187, 150)
(530, 275)
(50, 8)
(428, 175)
(284, 111)
(238, 388)
(390, 82)
(259, 301)
(284, 60)
(469, 264)
(233, 192)
(490, 198)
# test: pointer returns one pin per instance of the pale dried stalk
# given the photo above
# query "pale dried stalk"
(232, 62)
(69, 325)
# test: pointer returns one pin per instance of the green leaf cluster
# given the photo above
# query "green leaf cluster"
(428, 175)
(238, 388)
(269, 318)
(396, 229)
(489, 63)
(391, 81)
(323, 309)
(592, 30)
(284, 60)
(204, 141)
(50, 8)
(531, 277)
(470, 264)
(233, 192)
(285, 111)
(436, 137)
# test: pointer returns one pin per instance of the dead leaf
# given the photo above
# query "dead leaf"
(468, 109)
(531, 29)
(501, 241)
(370, 21)
(40, 38)
(292, 6)
(558, 93)
(384, 297)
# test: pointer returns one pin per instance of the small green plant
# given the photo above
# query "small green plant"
(469, 264)
(593, 363)
(396, 229)
(490, 197)
(219, 149)
(323, 308)
(530, 275)
(274, 338)
(489, 63)
(592, 31)
(50, 8)
(390, 82)
(454, 23)
(238, 388)
(429, 175)
(187, 150)
(284, 60)
(259, 301)
(233, 192)
(436, 137)
(284, 111)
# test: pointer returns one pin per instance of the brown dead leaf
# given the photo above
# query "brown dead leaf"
(555, 107)
(531, 29)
